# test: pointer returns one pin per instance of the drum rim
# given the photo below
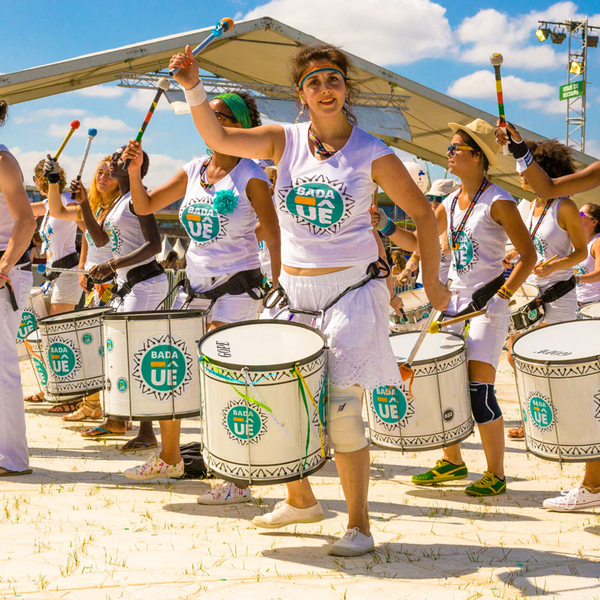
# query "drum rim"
(70, 317)
(147, 315)
(582, 308)
(274, 367)
(555, 360)
(418, 363)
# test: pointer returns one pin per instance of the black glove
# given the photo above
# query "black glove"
(51, 170)
(517, 149)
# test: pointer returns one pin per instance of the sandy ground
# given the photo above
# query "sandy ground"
(77, 529)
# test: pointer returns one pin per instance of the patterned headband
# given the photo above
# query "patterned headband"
(318, 69)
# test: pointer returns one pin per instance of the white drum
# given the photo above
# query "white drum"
(525, 315)
(151, 364)
(416, 308)
(34, 310)
(264, 399)
(558, 380)
(438, 413)
(72, 346)
(590, 311)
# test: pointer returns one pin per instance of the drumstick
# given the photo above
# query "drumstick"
(163, 85)
(74, 125)
(91, 135)
(543, 264)
(44, 268)
(221, 27)
(497, 59)
(435, 327)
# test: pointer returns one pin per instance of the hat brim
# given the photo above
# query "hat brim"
(489, 153)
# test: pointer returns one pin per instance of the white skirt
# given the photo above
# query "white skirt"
(356, 327)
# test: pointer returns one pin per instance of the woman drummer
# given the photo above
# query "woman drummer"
(232, 192)
(478, 217)
(555, 228)
(588, 493)
(587, 272)
(327, 172)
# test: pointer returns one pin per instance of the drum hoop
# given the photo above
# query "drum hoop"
(274, 367)
(583, 310)
(457, 352)
(70, 317)
(554, 360)
(153, 315)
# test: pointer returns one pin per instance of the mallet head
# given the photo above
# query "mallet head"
(92, 132)
(75, 124)
(496, 59)
(434, 327)
(163, 84)
(227, 23)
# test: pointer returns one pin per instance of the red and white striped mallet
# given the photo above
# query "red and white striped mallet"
(163, 85)
(497, 59)
(91, 135)
(74, 125)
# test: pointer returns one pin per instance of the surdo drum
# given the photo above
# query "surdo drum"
(590, 311)
(524, 314)
(72, 346)
(558, 380)
(264, 399)
(438, 412)
(151, 364)
(416, 309)
(35, 309)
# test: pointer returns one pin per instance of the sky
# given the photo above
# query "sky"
(442, 44)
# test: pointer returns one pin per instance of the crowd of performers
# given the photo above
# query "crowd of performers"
(313, 260)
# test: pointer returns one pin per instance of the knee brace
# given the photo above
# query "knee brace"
(483, 402)
(345, 424)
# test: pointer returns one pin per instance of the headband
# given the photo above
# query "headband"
(238, 107)
(318, 69)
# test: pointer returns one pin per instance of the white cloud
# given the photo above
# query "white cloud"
(390, 32)
(592, 148)
(101, 91)
(102, 124)
(162, 168)
(142, 99)
(52, 113)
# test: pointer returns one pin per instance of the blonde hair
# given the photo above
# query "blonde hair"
(97, 199)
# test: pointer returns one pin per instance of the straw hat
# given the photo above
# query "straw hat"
(443, 187)
(484, 135)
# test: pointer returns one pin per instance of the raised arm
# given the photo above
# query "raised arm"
(94, 228)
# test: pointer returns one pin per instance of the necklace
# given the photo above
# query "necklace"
(456, 234)
(205, 184)
(319, 147)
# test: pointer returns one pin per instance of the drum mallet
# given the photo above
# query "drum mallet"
(91, 135)
(497, 59)
(45, 269)
(163, 85)
(221, 27)
(437, 326)
(74, 125)
(546, 262)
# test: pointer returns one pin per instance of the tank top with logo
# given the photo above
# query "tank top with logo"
(124, 233)
(588, 292)
(550, 239)
(481, 244)
(7, 221)
(221, 242)
(323, 204)
(96, 256)
(58, 236)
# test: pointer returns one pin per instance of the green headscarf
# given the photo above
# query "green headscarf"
(238, 107)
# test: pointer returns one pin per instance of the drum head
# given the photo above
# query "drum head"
(435, 346)
(561, 343)
(267, 344)
(414, 299)
(34, 337)
(525, 294)
(591, 311)
(77, 315)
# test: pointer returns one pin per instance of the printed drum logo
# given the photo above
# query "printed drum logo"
(317, 203)
(162, 367)
(392, 407)
(201, 222)
(28, 324)
(41, 371)
(542, 414)
(64, 359)
(242, 423)
(532, 314)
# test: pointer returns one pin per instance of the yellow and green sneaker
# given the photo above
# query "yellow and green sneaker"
(443, 471)
(488, 485)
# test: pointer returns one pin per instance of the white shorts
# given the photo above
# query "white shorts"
(356, 327)
(563, 309)
(485, 337)
(145, 296)
(227, 309)
(66, 289)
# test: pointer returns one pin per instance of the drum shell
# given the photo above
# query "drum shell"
(35, 309)
(523, 319)
(437, 415)
(36, 357)
(145, 353)
(73, 347)
(560, 404)
(417, 308)
(276, 453)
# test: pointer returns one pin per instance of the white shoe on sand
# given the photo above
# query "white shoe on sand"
(225, 493)
(353, 543)
(573, 499)
(154, 468)
(284, 514)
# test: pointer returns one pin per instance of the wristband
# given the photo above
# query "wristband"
(505, 293)
(3, 275)
(53, 177)
(523, 162)
(389, 228)
(196, 95)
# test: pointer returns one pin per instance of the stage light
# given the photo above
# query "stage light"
(592, 41)
(542, 34)
(576, 68)
(558, 37)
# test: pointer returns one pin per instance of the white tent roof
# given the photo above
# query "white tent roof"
(166, 248)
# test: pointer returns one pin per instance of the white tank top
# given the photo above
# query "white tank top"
(588, 292)
(7, 221)
(220, 243)
(323, 205)
(124, 233)
(58, 235)
(482, 242)
(550, 239)
(95, 255)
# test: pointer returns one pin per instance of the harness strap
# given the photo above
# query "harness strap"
(137, 275)
(481, 296)
(66, 262)
(558, 290)
(243, 282)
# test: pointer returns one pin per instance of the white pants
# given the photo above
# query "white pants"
(561, 310)
(14, 454)
(144, 296)
(66, 289)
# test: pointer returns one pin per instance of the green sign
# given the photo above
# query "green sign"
(571, 90)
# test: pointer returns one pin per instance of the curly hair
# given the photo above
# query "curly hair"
(469, 141)
(3, 111)
(250, 102)
(307, 54)
(42, 181)
(555, 158)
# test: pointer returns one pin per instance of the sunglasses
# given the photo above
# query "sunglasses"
(222, 116)
(451, 151)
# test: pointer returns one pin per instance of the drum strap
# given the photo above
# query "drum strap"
(66, 262)
(137, 275)
(481, 296)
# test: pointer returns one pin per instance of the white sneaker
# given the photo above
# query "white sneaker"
(573, 499)
(284, 514)
(354, 543)
(225, 493)
(154, 468)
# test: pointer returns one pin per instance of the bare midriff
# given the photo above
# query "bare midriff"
(311, 272)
